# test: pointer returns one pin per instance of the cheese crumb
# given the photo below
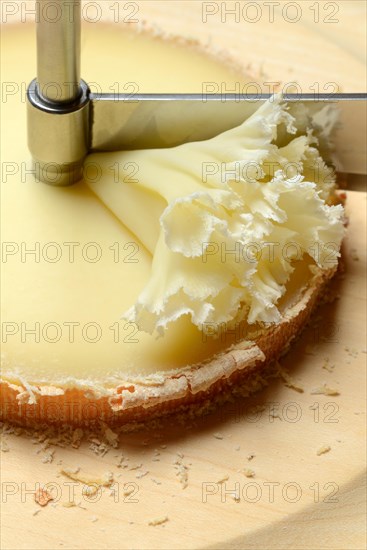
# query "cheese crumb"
(159, 521)
(323, 450)
(287, 379)
(181, 472)
(156, 481)
(128, 490)
(223, 479)
(325, 390)
(142, 474)
(136, 467)
(4, 445)
(48, 457)
(111, 437)
(92, 484)
(69, 504)
(77, 438)
(327, 366)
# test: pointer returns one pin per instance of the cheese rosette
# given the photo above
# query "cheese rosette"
(226, 219)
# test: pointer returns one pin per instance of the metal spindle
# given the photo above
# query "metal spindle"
(58, 50)
(58, 100)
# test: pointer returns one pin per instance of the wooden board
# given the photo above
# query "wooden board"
(296, 498)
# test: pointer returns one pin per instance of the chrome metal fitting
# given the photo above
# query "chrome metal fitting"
(58, 136)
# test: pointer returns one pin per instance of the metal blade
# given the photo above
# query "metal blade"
(123, 122)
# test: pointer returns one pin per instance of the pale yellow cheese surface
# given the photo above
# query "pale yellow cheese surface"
(72, 303)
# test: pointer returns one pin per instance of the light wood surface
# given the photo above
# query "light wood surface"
(218, 446)
(324, 47)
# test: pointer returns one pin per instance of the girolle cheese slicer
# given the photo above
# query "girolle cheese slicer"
(66, 121)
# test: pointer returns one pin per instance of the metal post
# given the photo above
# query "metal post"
(58, 50)
(58, 100)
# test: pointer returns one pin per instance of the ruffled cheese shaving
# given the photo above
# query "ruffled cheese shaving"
(225, 219)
